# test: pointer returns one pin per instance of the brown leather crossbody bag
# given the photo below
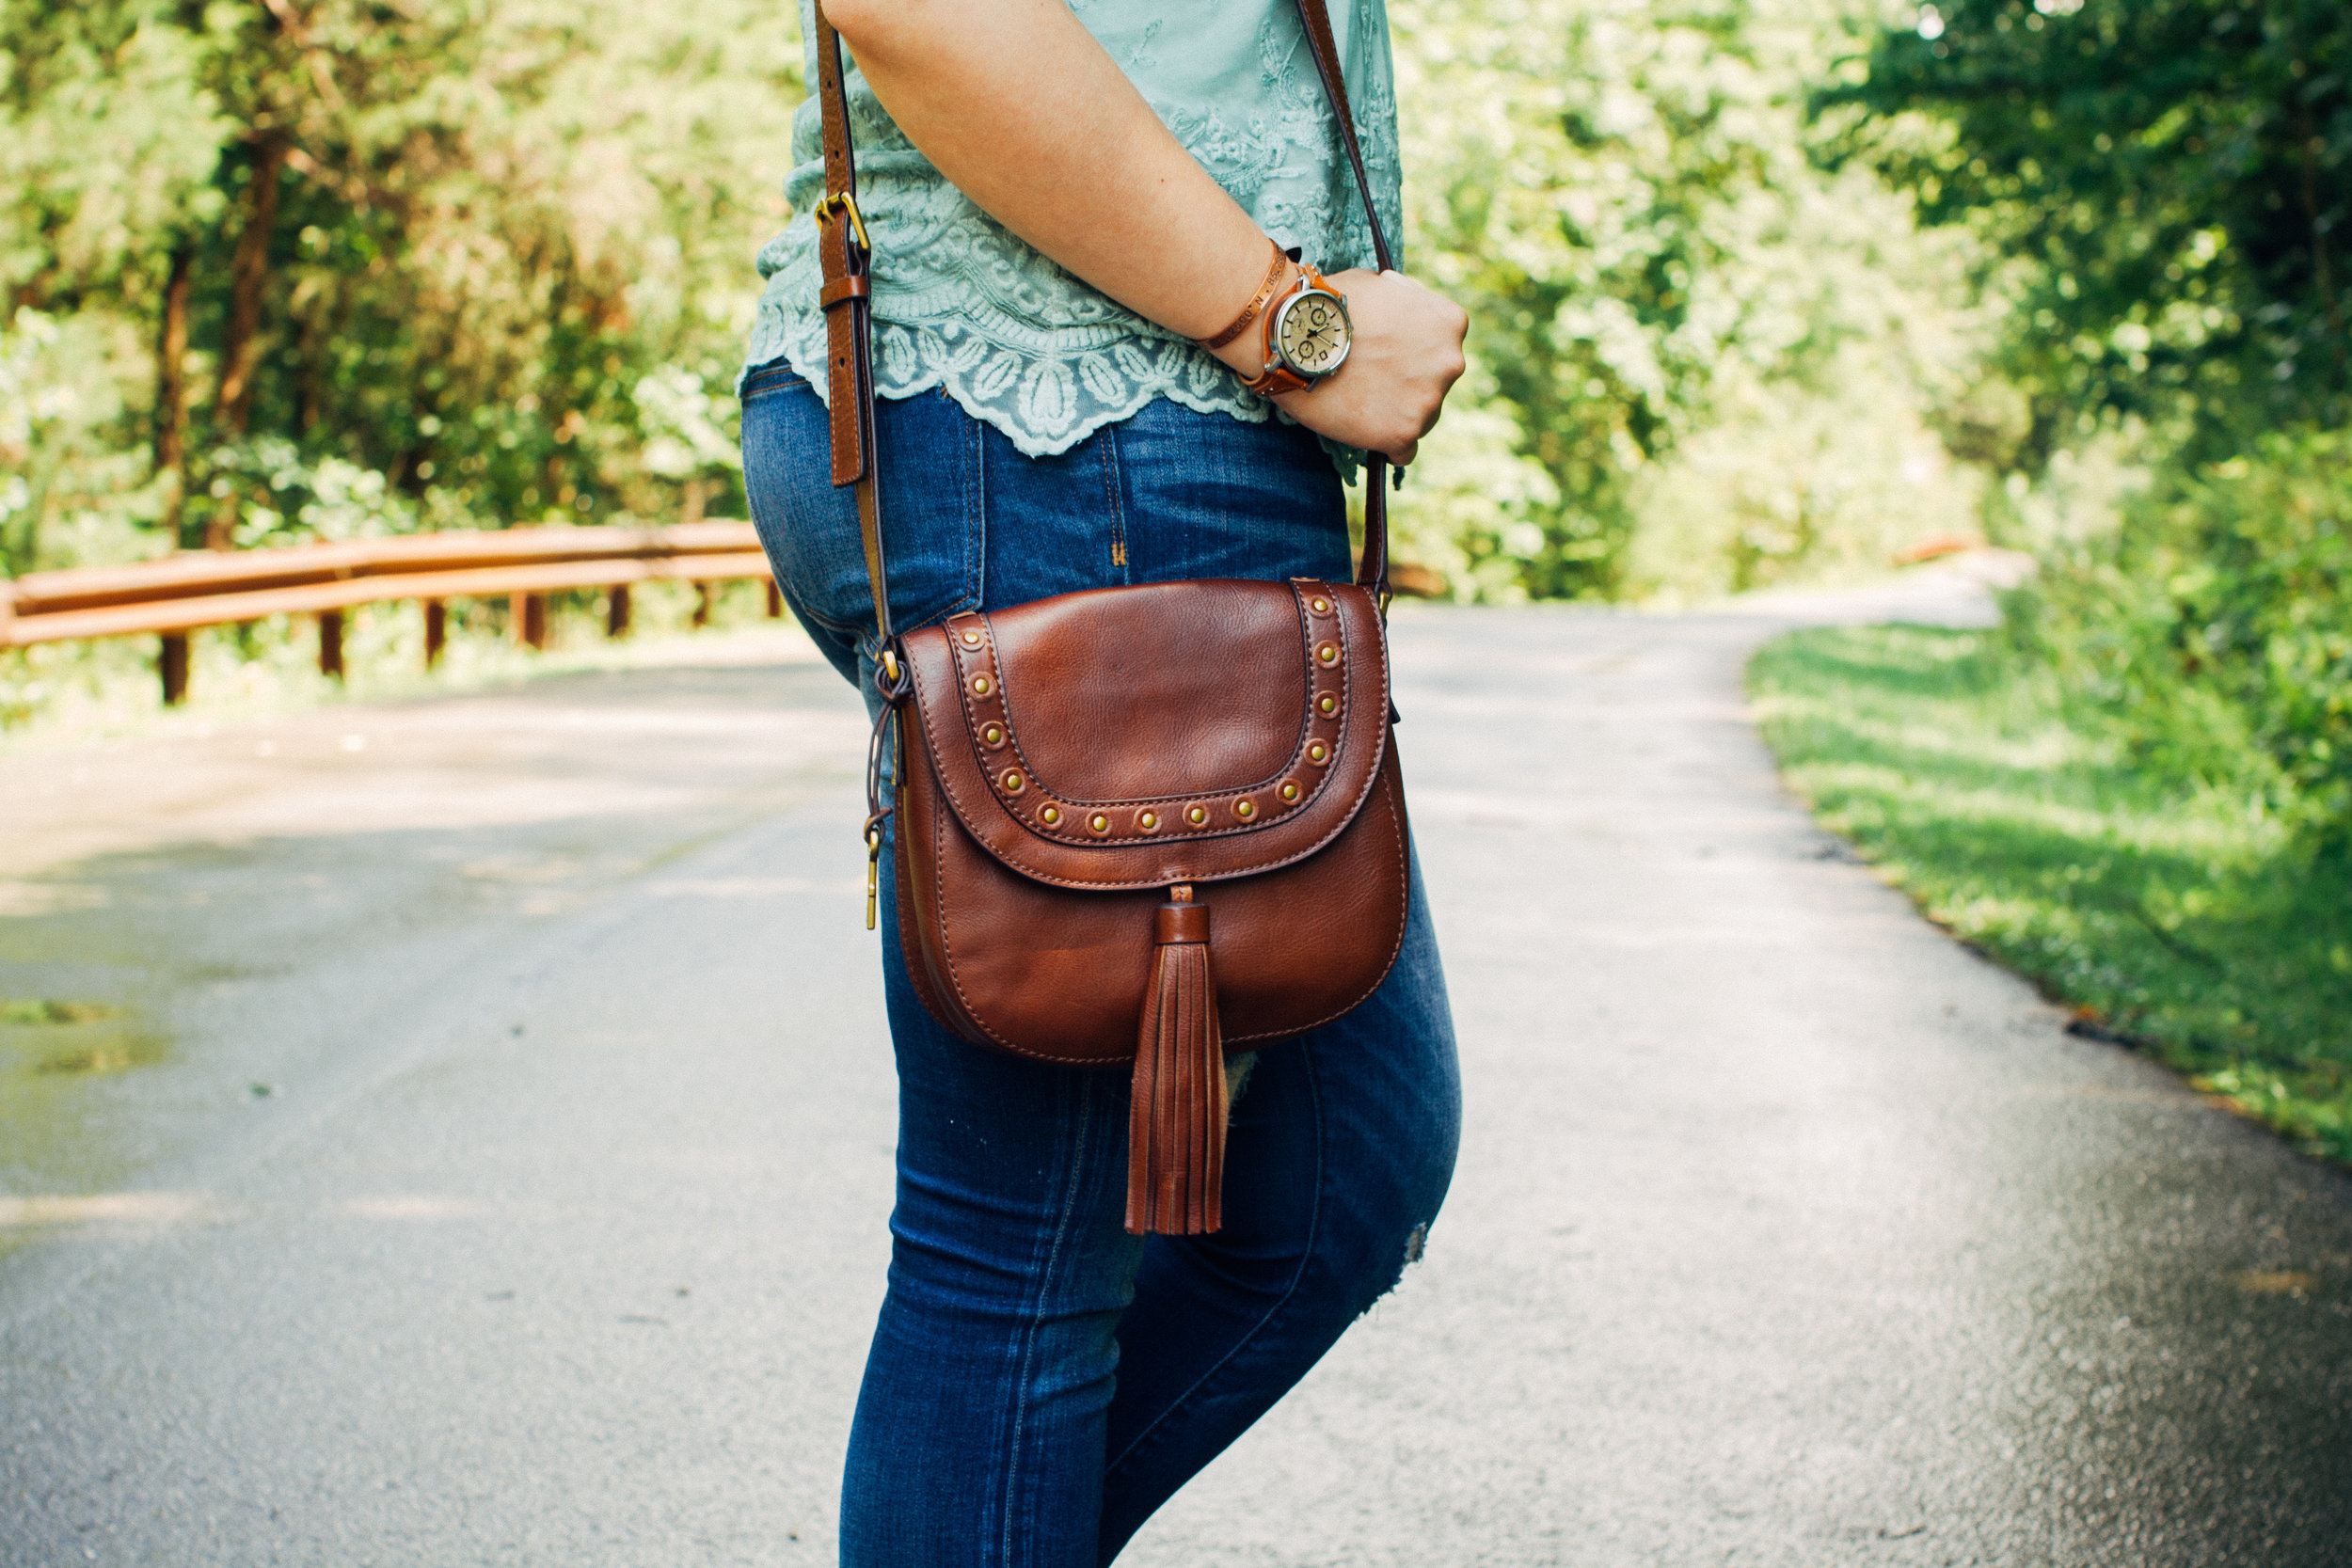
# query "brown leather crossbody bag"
(1135, 826)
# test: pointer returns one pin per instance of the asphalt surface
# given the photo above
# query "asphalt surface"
(489, 1161)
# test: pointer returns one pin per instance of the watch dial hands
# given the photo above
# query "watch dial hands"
(1309, 334)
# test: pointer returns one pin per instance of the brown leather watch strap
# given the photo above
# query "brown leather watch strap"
(1282, 260)
(844, 254)
(1278, 381)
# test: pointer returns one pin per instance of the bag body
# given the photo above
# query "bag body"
(1068, 762)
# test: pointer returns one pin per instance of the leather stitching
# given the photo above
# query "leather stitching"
(982, 660)
(931, 740)
(1120, 556)
(948, 950)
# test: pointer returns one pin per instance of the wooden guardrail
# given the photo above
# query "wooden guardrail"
(171, 597)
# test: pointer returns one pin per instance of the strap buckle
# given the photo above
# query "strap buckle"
(832, 204)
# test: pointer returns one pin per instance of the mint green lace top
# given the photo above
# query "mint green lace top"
(960, 302)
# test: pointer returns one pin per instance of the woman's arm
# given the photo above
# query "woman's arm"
(1022, 109)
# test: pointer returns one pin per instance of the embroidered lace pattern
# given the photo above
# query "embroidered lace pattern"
(960, 302)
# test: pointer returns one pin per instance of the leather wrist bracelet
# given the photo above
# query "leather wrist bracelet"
(1282, 259)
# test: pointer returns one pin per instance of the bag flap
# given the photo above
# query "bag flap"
(1183, 731)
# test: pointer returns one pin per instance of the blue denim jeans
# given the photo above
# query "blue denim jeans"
(1041, 1381)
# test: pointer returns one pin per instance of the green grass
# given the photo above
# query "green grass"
(37, 1010)
(2178, 916)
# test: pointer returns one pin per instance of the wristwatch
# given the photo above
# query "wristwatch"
(1307, 336)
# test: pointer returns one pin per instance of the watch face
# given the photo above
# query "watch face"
(1312, 333)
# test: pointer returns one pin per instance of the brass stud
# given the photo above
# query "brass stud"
(1147, 821)
(979, 685)
(1289, 791)
(1317, 753)
(1322, 607)
(1014, 783)
(1197, 814)
(1050, 816)
(1244, 810)
(971, 639)
(993, 735)
(1327, 705)
(1099, 823)
(1329, 653)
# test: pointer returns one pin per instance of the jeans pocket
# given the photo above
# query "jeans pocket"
(931, 507)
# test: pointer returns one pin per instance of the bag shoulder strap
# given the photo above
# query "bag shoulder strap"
(1326, 50)
(846, 257)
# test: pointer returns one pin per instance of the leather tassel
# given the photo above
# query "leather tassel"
(1176, 1126)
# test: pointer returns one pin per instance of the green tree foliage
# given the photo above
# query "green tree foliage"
(1623, 194)
(2170, 178)
(2216, 624)
(444, 242)
(2162, 184)
(111, 139)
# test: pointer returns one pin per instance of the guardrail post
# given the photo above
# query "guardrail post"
(172, 663)
(775, 601)
(701, 605)
(616, 611)
(436, 631)
(529, 612)
(331, 643)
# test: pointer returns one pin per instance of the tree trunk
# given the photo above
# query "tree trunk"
(248, 277)
(171, 382)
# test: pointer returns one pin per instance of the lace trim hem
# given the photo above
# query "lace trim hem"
(1044, 406)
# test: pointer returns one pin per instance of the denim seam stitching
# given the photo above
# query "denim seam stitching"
(1111, 501)
(1037, 1309)
(767, 385)
(976, 523)
(975, 559)
(850, 628)
(974, 547)
(1306, 1257)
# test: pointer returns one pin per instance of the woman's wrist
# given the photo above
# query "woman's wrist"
(1241, 319)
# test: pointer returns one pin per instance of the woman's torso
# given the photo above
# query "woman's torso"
(961, 303)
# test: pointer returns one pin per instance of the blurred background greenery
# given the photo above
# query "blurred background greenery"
(282, 270)
(1765, 291)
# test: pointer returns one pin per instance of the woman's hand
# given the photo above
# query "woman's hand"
(1407, 353)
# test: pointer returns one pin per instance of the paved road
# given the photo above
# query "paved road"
(1788, 1232)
